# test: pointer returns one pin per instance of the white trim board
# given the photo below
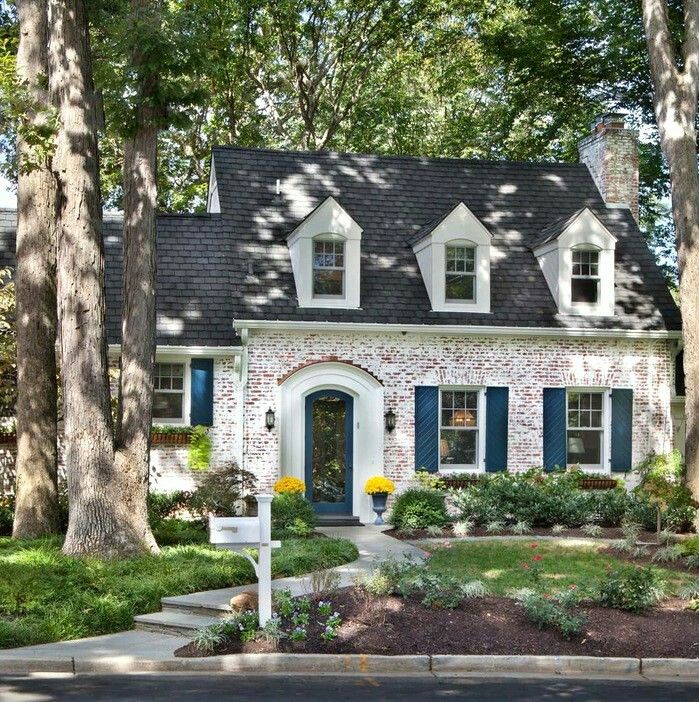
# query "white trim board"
(208, 351)
(453, 329)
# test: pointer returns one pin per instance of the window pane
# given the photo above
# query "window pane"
(585, 447)
(327, 282)
(167, 405)
(458, 447)
(460, 287)
(585, 290)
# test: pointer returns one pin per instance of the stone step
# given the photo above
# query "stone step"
(196, 609)
(347, 520)
(173, 623)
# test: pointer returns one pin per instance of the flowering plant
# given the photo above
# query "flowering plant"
(289, 486)
(378, 484)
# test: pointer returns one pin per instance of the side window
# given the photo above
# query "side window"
(585, 428)
(168, 395)
(585, 283)
(460, 273)
(459, 425)
(328, 268)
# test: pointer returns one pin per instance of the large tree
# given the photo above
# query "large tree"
(36, 510)
(675, 73)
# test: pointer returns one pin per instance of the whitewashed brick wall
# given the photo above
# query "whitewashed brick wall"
(526, 365)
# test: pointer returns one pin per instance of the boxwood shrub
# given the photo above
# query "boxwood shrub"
(292, 516)
(419, 508)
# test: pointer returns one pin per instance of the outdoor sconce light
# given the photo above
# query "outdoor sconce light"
(269, 419)
(390, 420)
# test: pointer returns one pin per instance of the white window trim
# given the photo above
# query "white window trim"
(459, 228)
(334, 239)
(479, 466)
(556, 261)
(328, 220)
(184, 420)
(465, 245)
(606, 457)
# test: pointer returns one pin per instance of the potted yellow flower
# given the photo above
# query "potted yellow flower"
(379, 488)
(288, 485)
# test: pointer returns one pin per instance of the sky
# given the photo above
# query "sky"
(7, 195)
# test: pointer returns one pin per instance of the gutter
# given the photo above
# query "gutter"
(472, 330)
(208, 351)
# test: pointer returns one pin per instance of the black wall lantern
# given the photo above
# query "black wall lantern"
(390, 420)
(269, 419)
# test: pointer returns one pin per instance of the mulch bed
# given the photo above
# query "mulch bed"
(490, 626)
(606, 533)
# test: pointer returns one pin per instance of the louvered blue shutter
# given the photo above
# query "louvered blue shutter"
(427, 428)
(202, 391)
(554, 428)
(496, 411)
(622, 429)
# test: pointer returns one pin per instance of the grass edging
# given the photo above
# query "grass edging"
(361, 664)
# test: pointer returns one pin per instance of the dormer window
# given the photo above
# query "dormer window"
(460, 283)
(585, 283)
(325, 252)
(328, 268)
(576, 256)
(453, 253)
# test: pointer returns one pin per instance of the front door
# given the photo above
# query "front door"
(329, 451)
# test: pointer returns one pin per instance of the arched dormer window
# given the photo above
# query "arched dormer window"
(325, 251)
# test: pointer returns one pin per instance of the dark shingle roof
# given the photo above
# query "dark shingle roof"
(216, 268)
(193, 277)
(393, 199)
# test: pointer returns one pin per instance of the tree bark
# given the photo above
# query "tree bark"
(675, 103)
(36, 494)
(138, 312)
(98, 521)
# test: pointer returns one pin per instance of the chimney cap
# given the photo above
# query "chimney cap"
(608, 120)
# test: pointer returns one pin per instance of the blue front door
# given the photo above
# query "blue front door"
(329, 451)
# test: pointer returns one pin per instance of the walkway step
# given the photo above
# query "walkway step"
(196, 609)
(344, 520)
(173, 623)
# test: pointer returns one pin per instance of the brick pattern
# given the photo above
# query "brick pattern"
(611, 155)
(525, 365)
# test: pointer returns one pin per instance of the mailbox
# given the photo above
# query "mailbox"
(234, 533)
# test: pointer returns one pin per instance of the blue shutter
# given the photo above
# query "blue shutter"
(496, 411)
(622, 429)
(202, 391)
(427, 428)
(554, 428)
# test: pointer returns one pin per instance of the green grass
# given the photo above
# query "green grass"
(45, 596)
(499, 565)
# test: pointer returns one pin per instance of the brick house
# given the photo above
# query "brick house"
(336, 316)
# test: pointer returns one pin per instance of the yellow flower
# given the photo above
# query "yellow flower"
(378, 484)
(289, 486)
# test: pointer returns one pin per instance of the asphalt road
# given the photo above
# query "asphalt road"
(250, 688)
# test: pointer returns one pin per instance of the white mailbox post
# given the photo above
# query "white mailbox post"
(236, 533)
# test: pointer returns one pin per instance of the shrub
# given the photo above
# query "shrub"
(419, 508)
(220, 491)
(292, 516)
(165, 505)
(288, 485)
(463, 528)
(631, 588)
(179, 532)
(555, 612)
(7, 514)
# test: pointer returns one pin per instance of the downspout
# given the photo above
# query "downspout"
(244, 335)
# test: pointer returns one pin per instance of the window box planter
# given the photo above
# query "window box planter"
(459, 483)
(171, 439)
(598, 483)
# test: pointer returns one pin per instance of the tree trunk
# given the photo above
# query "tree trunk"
(138, 313)
(675, 102)
(98, 521)
(36, 494)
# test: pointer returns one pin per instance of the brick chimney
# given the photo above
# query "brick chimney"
(611, 154)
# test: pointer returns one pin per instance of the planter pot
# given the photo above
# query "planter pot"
(170, 439)
(598, 483)
(459, 483)
(378, 504)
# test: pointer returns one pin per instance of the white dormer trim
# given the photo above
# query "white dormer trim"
(329, 221)
(459, 228)
(556, 261)
(213, 205)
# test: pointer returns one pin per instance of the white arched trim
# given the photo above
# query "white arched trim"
(368, 429)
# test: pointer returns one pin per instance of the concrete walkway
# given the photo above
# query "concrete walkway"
(160, 633)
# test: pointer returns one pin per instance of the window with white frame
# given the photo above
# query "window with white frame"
(585, 428)
(460, 272)
(169, 392)
(328, 268)
(459, 428)
(585, 282)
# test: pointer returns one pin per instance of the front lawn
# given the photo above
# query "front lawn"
(500, 564)
(45, 596)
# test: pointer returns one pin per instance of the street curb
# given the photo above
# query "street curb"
(353, 664)
(559, 665)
